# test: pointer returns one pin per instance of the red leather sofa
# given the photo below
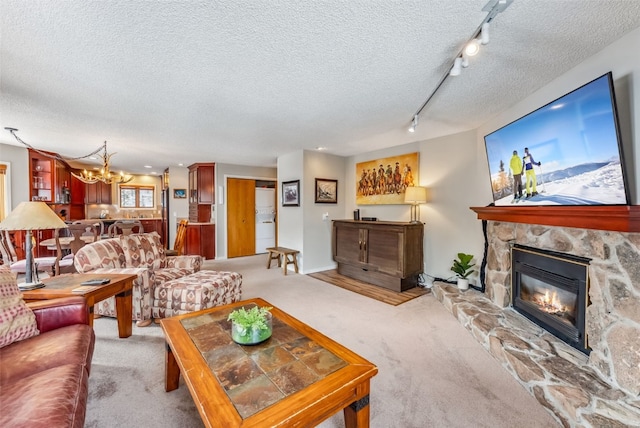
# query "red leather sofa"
(44, 379)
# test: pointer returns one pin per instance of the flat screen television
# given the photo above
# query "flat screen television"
(567, 152)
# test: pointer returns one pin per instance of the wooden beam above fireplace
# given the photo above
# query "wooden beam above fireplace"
(621, 218)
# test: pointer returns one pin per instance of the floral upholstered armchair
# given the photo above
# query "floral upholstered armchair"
(141, 254)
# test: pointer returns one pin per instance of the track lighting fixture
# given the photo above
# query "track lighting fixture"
(465, 60)
(414, 123)
(484, 33)
(457, 67)
(471, 48)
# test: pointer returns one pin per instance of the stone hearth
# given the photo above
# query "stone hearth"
(613, 315)
(559, 376)
(602, 389)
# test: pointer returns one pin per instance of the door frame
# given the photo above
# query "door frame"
(222, 191)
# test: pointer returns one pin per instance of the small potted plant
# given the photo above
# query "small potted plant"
(462, 267)
(252, 326)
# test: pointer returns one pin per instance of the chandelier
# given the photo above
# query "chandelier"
(105, 175)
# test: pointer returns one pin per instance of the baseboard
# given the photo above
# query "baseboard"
(320, 269)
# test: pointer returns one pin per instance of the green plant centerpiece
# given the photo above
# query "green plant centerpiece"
(250, 326)
(463, 267)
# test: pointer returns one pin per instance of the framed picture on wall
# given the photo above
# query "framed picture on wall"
(383, 181)
(326, 191)
(291, 193)
(180, 193)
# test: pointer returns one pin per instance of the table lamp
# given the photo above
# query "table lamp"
(31, 216)
(415, 195)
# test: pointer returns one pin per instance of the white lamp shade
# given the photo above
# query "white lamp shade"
(32, 216)
(415, 195)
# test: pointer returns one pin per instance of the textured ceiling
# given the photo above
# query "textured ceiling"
(243, 82)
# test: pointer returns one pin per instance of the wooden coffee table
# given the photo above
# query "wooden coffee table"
(63, 286)
(298, 377)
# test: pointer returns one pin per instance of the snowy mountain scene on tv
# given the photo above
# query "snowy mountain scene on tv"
(565, 153)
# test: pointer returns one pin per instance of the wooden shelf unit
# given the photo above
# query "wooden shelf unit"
(201, 191)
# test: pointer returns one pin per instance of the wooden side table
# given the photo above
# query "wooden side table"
(63, 285)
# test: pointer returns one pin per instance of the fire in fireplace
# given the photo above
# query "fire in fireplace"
(551, 289)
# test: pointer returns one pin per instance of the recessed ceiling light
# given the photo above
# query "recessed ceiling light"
(148, 166)
(319, 148)
(154, 173)
(180, 164)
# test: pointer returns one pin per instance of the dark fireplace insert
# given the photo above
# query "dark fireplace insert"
(551, 289)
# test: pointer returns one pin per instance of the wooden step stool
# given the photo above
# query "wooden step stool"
(282, 254)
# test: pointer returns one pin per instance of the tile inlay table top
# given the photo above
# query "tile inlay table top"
(298, 377)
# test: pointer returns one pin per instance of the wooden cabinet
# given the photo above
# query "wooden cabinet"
(62, 193)
(200, 239)
(49, 178)
(201, 191)
(78, 195)
(42, 177)
(154, 225)
(387, 254)
(98, 193)
(19, 242)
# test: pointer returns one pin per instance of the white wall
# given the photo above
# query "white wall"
(450, 172)
(178, 208)
(291, 219)
(18, 157)
(316, 248)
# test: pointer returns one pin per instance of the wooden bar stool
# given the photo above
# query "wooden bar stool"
(285, 256)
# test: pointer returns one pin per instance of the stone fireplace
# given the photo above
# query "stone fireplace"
(613, 315)
(601, 389)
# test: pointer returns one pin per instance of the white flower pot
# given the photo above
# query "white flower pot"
(463, 284)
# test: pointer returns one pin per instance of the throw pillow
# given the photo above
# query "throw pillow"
(143, 250)
(17, 321)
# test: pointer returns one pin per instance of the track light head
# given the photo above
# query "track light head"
(414, 123)
(465, 60)
(472, 48)
(484, 33)
(457, 67)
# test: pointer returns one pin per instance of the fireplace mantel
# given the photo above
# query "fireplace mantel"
(621, 218)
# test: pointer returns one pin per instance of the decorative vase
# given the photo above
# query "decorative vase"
(463, 284)
(251, 335)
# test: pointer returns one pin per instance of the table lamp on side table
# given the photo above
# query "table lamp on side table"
(415, 196)
(30, 216)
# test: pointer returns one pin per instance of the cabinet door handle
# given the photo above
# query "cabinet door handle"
(360, 244)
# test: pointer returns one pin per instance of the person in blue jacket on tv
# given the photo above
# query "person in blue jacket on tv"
(530, 175)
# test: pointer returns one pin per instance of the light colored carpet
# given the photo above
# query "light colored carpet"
(432, 372)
